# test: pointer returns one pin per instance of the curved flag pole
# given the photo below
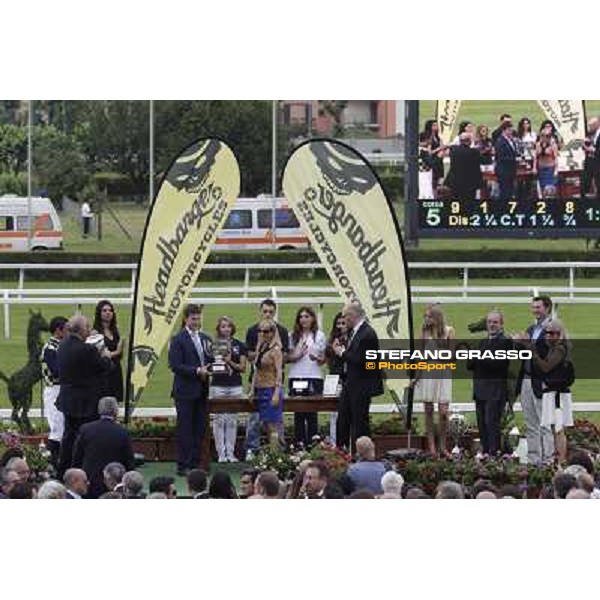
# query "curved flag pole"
(193, 201)
(352, 226)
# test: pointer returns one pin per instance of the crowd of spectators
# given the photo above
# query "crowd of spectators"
(367, 478)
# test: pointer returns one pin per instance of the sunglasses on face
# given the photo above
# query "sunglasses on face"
(265, 331)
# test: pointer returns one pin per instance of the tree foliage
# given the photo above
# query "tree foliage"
(76, 139)
(244, 125)
(13, 148)
(60, 167)
(114, 136)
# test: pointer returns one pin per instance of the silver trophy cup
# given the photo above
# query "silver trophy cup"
(220, 348)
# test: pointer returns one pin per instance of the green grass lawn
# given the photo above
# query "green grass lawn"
(487, 112)
(131, 216)
(582, 321)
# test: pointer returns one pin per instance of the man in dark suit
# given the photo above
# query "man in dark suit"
(81, 369)
(490, 390)
(464, 177)
(591, 165)
(506, 162)
(189, 357)
(505, 118)
(360, 385)
(102, 442)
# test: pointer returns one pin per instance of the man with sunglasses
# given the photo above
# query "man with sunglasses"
(540, 442)
(268, 311)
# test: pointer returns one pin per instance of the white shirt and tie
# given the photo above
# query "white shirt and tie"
(197, 344)
(354, 330)
(350, 338)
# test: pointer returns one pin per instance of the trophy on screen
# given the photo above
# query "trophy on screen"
(221, 347)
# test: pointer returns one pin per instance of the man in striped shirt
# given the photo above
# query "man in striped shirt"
(55, 418)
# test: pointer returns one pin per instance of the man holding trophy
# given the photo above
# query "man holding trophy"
(189, 360)
(82, 362)
(229, 362)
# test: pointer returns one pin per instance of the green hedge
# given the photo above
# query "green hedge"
(13, 183)
(282, 256)
(393, 184)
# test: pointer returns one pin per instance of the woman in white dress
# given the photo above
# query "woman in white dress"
(305, 377)
(435, 387)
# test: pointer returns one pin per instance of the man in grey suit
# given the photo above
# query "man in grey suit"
(540, 441)
(490, 389)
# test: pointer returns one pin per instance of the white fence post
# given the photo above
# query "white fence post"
(6, 316)
(133, 278)
(246, 281)
(21, 282)
(571, 281)
(465, 281)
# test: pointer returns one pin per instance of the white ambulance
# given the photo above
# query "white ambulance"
(46, 230)
(261, 224)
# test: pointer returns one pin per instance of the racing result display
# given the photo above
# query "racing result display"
(555, 217)
(475, 170)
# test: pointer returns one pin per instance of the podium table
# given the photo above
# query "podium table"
(292, 404)
(568, 183)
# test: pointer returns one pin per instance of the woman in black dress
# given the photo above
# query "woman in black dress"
(432, 132)
(105, 323)
(339, 332)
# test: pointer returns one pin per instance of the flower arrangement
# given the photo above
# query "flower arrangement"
(336, 459)
(584, 435)
(286, 463)
(144, 428)
(394, 425)
(504, 470)
(274, 458)
(37, 458)
(9, 439)
(38, 427)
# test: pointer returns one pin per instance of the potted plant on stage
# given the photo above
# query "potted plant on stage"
(154, 438)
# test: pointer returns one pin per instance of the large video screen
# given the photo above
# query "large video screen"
(507, 168)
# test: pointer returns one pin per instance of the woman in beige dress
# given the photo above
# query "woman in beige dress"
(435, 387)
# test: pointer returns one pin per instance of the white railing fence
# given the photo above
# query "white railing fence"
(418, 408)
(247, 293)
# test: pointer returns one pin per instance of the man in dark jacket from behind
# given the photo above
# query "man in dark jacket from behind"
(102, 442)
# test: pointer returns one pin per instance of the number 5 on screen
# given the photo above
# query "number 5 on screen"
(433, 217)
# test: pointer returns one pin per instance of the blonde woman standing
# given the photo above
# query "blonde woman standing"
(435, 387)
(557, 405)
(266, 381)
